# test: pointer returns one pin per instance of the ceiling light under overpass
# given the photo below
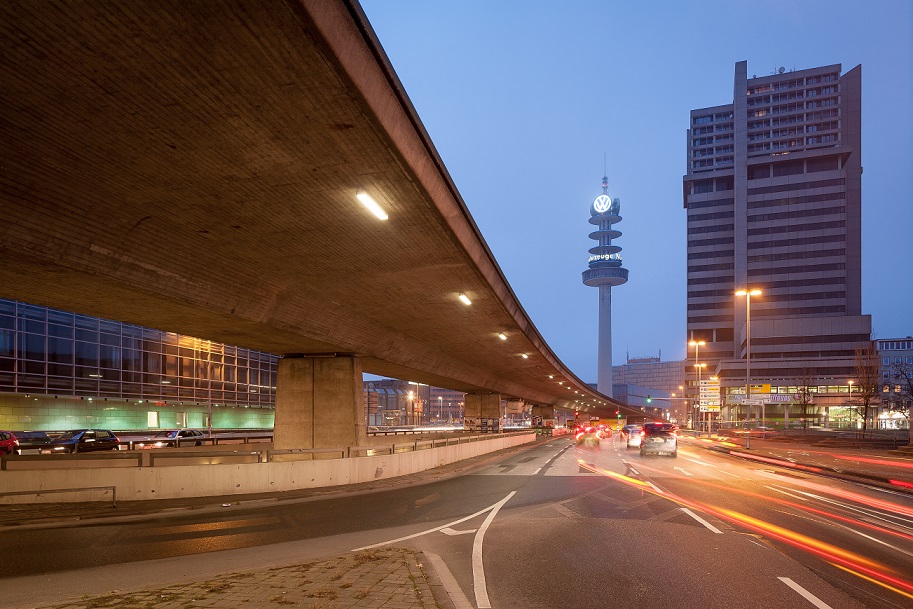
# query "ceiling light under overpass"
(524, 356)
(465, 299)
(502, 336)
(371, 204)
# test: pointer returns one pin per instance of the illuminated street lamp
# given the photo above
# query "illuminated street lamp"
(748, 294)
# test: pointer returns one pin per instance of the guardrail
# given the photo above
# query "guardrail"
(70, 457)
(263, 456)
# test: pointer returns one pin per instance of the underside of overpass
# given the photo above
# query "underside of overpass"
(193, 167)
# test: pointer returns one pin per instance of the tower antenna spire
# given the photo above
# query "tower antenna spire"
(605, 174)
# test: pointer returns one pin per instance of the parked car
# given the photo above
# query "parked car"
(82, 440)
(32, 440)
(632, 435)
(9, 445)
(658, 439)
(175, 437)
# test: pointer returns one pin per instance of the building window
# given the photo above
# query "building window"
(703, 186)
(756, 172)
(790, 168)
(886, 361)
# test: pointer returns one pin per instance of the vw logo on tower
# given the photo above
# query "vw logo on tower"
(604, 272)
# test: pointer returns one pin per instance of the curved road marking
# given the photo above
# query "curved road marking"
(451, 532)
(478, 572)
(435, 529)
(814, 600)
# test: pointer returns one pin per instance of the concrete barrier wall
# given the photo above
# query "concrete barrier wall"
(141, 483)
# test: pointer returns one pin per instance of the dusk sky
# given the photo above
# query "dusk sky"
(524, 100)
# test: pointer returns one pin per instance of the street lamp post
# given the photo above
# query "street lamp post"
(748, 294)
(681, 390)
(850, 399)
(697, 344)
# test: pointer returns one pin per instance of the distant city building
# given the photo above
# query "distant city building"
(394, 402)
(773, 195)
(604, 272)
(665, 379)
(896, 358)
(61, 370)
(654, 403)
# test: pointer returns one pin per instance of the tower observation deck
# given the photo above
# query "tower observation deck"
(604, 272)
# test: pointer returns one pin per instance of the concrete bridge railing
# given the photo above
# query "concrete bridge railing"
(88, 478)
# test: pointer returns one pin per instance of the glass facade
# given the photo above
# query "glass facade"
(50, 352)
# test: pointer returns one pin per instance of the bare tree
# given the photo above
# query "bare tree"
(804, 397)
(866, 390)
(900, 390)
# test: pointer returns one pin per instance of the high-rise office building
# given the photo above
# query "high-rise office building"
(773, 199)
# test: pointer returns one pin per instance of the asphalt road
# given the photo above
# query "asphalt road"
(558, 525)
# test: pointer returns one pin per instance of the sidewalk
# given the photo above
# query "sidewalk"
(375, 579)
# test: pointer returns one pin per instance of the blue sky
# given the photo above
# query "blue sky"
(524, 99)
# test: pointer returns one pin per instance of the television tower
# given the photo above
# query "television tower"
(605, 272)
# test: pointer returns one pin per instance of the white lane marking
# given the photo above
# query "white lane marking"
(449, 582)
(452, 532)
(634, 471)
(814, 600)
(880, 515)
(728, 473)
(787, 493)
(536, 472)
(435, 529)
(702, 521)
(656, 488)
(478, 571)
(684, 471)
(697, 461)
(837, 524)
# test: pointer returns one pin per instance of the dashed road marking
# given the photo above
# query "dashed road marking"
(814, 600)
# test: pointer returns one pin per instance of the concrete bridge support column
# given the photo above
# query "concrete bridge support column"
(319, 403)
(480, 409)
(544, 412)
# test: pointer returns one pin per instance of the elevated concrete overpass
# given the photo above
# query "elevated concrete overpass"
(193, 166)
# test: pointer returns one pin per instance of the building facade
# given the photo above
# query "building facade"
(61, 370)
(773, 200)
(665, 380)
(896, 374)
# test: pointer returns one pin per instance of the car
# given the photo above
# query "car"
(32, 440)
(175, 437)
(592, 434)
(9, 445)
(632, 435)
(82, 440)
(658, 439)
